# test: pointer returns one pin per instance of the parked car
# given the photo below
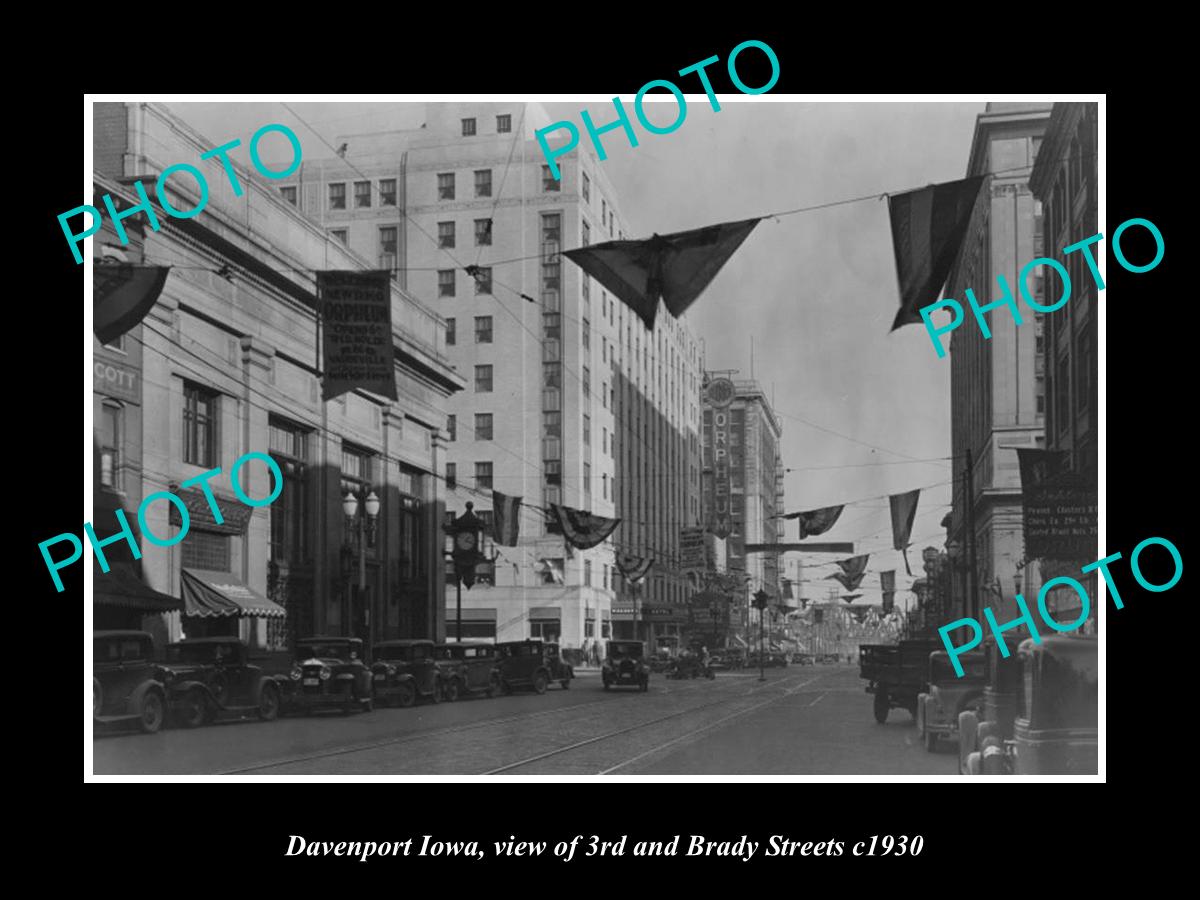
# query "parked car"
(688, 665)
(404, 670)
(1058, 710)
(467, 669)
(328, 672)
(212, 677)
(523, 664)
(802, 659)
(938, 708)
(896, 673)
(625, 666)
(997, 715)
(560, 669)
(127, 684)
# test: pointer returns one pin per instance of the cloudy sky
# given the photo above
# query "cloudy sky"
(865, 413)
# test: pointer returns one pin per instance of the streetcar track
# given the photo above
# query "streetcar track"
(650, 723)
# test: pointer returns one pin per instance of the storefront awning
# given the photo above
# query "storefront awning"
(119, 586)
(214, 594)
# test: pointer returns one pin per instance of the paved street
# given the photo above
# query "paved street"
(802, 720)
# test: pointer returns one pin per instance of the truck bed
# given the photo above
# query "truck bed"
(903, 664)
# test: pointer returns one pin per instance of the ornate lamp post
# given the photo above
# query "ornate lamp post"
(364, 522)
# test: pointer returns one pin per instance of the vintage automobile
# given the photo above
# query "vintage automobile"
(212, 677)
(523, 664)
(1058, 710)
(467, 669)
(688, 665)
(404, 670)
(896, 673)
(625, 666)
(802, 659)
(938, 708)
(560, 669)
(328, 672)
(127, 684)
(996, 716)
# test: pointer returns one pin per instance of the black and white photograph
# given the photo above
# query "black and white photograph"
(687, 434)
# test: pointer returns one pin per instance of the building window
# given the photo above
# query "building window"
(445, 234)
(1062, 392)
(387, 240)
(551, 375)
(483, 329)
(289, 194)
(549, 182)
(483, 232)
(483, 475)
(445, 185)
(451, 334)
(587, 334)
(604, 479)
(340, 234)
(587, 430)
(483, 280)
(587, 573)
(1040, 393)
(452, 427)
(289, 513)
(362, 194)
(604, 395)
(117, 344)
(604, 440)
(451, 475)
(587, 382)
(483, 182)
(552, 424)
(603, 212)
(110, 445)
(587, 481)
(205, 550)
(445, 282)
(199, 425)
(483, 426)
(468, 126)
(387, 192)
(586, 188)
(1083, 372)
(337, 196)
(552, 326)
(587, 234)
(503, 124)
(483, 379)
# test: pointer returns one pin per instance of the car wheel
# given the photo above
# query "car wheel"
(97, 697)
(881, 705)
(151, 712)
(493, 685)
(450, 692)
(606, 684)
(268, 703)
(645, 685)
(566, 684)
(540, 683)
(407, 695)
(194, 709)
(505, 687)
(436, 696)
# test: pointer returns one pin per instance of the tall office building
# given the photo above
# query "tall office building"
(997, 385)
(570, 400)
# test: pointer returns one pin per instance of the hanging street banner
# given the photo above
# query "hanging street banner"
(691, 549)
(1059, 507)
(122, 294)
(356, 312)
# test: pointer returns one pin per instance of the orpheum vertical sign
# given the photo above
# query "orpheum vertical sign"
(356, 317)
(719, 394)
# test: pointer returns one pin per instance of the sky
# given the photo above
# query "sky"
(814, 292)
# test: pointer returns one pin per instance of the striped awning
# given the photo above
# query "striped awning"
(215, 594)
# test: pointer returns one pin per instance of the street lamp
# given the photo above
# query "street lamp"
(761, 598)
(365, 526)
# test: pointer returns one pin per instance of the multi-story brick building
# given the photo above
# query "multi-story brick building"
(569, 399)
(230, 365)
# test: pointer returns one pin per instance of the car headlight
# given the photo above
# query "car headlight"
(326, 673)
(296, 673)
(391, 670)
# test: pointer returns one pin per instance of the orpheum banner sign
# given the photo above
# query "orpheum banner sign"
(356, 316)
(719, 394)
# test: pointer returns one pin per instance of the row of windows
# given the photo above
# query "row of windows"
(364, 192)
(483, 234)
(447, 184)
(483, 427)
(503, 125)
(447, 283)
(483, 475)
(483, 330)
